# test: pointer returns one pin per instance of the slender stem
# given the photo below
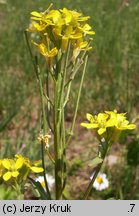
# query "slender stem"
(104, 148)
(37, 71)
(44, 172)
(50, 156)
(61, 118)
(78, 99)
(61, 100)
(89, 188)
(44, 125)
(38, 74)
(42, 97)
(63, 153)
(30, 52)
(58, 183)
(57, 127)
(69, 83)
(48, 99)
(17, 188)
(49, 102)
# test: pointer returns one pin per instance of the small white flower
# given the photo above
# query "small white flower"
(126, 4)
(50, 181)
(3, 2)
(101, 182)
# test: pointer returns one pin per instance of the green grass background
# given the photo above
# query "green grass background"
(112, 75)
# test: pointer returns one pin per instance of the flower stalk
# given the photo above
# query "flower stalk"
(63, 37)
(108, 126)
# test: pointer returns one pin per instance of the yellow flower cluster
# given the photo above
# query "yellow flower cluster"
(109, 119)
(56, 28)
(19, 167)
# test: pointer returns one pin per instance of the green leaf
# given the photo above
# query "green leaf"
(97, 160)
(43, 194)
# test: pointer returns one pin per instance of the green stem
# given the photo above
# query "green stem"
(62, 85)
(78, 99)
(74, 71)
(30, 52)
(42, 97)
(49, 102)
(17, 188)
(37, 71)
(58, 182)
(44, 125)
(59, 127)
(50, 156)
(63, 141)
(103, 151)
(89, 188)
(44, 172)
(61, 118)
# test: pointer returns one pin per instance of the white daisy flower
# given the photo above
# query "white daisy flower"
(101, 182)
(3, 2)
(50, 181)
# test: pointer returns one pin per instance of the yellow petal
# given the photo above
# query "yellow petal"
(86, 27)
(56, 15)
(89, 125)
(37, 162)
(36, 169)
(42, 48)
(110, 123)
(131, 126)
(19, 163)
(7, 176)
(53, 52)
(82, 19)
(15, 174)
(6, 164)
(76, 36)
(36, 18)
(101, 131)
(57, 31)
(89, 116)
(38, 27)
(83, 44)
(36, 14)
(102, 117)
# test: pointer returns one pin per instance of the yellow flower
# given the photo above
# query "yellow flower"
(65, 34)
(101, 122)
(55, 17)
(49, 55)
(110, 119)
(79, 46)
(36, 27)
(86, 28)
(12, 168)
(31, 165)
(120, 121)
(60, 26)
(40, 16)
(73, 17)
(65, 39)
